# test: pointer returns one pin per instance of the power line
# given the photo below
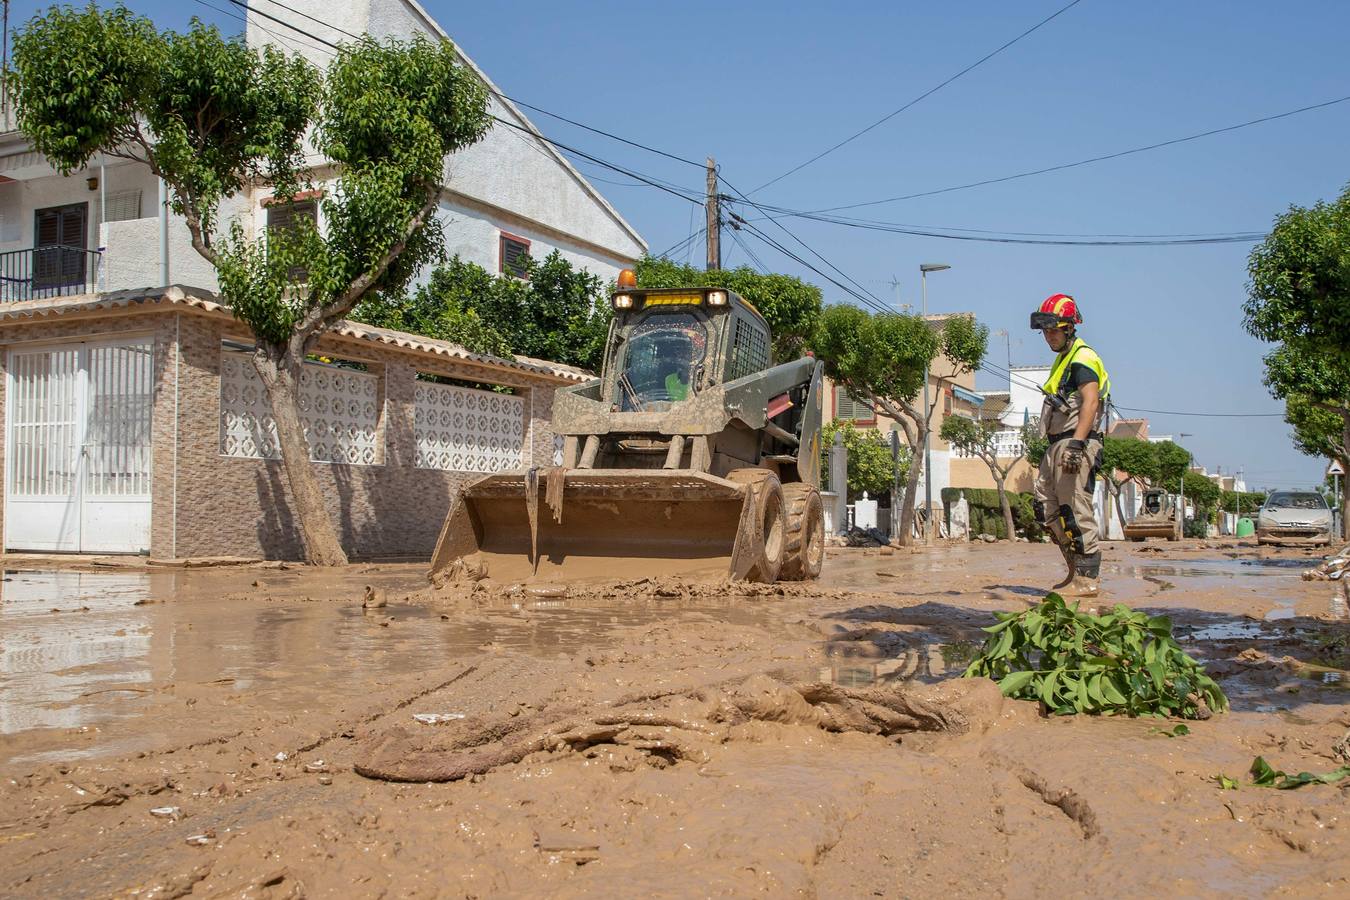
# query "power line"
(1172, 412)
(1090, 160)
(928, 93)
(773, 213)
(993, 369)
(987, 237)
(292, 43)
(328, 25)
(496, 93)
(678, 192)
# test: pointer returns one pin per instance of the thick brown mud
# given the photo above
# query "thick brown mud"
(258, 732)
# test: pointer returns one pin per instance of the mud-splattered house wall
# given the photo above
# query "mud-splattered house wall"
(212, 495)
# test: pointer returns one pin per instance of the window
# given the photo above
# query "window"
(662, 359)
(514, 251)
(749, 351)
(59, 238)
(283, 217)
(850, 410)
(121, 206)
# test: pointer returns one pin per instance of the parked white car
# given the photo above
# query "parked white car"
(1294, 517)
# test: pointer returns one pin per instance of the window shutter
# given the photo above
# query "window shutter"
(849, 409)
(72, 227)
(122, 206)
(48, 228)
(514, 252)
(283, 217)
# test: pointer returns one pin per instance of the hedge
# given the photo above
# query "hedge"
(986, 515)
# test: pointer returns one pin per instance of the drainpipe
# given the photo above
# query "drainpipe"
(163, 233)
(102, 222)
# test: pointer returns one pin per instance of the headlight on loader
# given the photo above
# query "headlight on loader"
(623, 301)
(717, 298)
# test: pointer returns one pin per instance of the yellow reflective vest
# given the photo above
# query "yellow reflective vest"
(1057, 385)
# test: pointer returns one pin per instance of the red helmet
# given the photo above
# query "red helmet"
(1057, 311)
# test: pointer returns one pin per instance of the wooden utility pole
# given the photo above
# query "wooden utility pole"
(714, 219)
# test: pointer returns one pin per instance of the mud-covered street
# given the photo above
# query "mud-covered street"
(256, 732)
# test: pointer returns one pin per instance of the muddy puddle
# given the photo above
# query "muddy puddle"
(81, 649)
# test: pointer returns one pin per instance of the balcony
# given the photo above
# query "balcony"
(41, 273)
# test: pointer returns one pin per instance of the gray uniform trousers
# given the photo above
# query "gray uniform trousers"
(1064, 499)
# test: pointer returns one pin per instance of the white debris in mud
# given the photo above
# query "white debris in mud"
(437, 718)
(167, 812)
(1333, 569)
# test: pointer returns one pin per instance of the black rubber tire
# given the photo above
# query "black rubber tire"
(771, 517)
(804, 551)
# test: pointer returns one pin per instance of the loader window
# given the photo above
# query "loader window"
(659, 365)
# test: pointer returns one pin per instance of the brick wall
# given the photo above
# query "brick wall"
(206, 504)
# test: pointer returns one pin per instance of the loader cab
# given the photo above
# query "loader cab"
(667, 345)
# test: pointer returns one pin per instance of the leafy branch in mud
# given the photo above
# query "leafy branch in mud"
(1267, 776)
(1124, 662)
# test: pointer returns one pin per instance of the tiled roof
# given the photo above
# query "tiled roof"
(207, 302)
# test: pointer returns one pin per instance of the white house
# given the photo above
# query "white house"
(100, 229)
(129, 416)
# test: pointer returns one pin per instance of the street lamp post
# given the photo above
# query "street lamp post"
(924, 269)
(1181, 514)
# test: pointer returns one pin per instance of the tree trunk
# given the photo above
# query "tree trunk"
(1345, 479)
(280, 371)
(1120, 510)
(1007, 508)
(915, 435)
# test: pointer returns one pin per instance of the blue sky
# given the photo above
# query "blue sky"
(764, 86)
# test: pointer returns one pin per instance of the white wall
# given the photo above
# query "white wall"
(1026, 397)
(507, 170)
(474, 234)
(19, 200)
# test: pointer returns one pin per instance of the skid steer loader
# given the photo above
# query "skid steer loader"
(691, 455)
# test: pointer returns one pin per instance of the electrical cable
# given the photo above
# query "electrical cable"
(1093, 159)
(818, 215)
(291, 43)
(1001, 372)
(928, 93)
(503, 96)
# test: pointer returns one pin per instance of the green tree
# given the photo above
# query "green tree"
(1135, 459)
(881, 358)
(212, 116)
(871, 468)
(790, 305)
(1298, 297)
(1035, 444)
(1299, 289)
(978, 439)
(555, 312)
(1172, 460)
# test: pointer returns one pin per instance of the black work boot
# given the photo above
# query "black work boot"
(1084, 582)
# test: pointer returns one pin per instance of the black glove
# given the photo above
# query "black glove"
(1073, 456)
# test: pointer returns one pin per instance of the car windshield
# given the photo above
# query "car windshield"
(1296, 501)
(662, 355)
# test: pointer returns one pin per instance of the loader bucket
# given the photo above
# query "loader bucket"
(615, 523)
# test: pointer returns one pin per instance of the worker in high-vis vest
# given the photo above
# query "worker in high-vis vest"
(1071, 421)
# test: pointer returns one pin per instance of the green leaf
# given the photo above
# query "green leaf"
(1226, 783)
(1047, 688)
(1264, 775)
(1015, 682)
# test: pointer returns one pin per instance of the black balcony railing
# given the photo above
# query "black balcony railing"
(44, 272)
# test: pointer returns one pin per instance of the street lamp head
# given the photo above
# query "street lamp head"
(933, 267)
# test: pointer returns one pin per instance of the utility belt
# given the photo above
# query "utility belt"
(1066, 435)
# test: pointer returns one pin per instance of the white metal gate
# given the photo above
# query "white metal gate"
(78, 438)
